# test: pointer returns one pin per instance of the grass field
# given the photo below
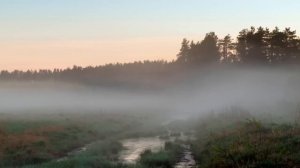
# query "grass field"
(27, 140)
(235, 138)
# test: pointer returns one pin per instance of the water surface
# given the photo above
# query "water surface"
(135, 147)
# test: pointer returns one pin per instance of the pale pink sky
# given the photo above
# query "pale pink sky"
(51, 34)
(62, 54)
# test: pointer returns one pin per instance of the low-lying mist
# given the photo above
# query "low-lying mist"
(199, 91)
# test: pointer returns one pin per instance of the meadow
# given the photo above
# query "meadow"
(35, 139)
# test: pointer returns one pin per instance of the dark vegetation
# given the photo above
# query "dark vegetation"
(165, 158)
(238, 139)
(101, 154)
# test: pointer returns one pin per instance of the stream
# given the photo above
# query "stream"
(187, 160)
(135, 147)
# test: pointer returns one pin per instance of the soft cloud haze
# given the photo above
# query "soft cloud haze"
(61, 33)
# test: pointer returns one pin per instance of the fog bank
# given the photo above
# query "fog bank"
(261, 89)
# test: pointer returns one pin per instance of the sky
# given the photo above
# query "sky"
(47, 34)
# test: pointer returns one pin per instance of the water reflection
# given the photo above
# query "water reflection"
(135, 147)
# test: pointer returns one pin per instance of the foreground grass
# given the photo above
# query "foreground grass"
(253, 145)
(100, 154)
(240, 142)
(224, 140)
(40, 139)
(105, 155)
(165, 158)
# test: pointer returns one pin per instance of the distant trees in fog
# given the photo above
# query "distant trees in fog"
(202, 52)
(252, 46)
(136, 74)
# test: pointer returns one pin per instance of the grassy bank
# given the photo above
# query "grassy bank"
(241, 141)
(166, 158)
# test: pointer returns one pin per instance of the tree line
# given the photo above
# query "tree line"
(252, 46)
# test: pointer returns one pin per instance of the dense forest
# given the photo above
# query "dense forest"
(254, 46)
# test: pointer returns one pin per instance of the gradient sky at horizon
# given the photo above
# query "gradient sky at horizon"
(51, 34)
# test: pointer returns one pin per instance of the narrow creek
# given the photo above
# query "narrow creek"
(187, 160)
(136, 146)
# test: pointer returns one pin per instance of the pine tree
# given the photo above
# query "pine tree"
(183, 55)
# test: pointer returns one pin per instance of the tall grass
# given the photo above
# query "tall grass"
(247, 143)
